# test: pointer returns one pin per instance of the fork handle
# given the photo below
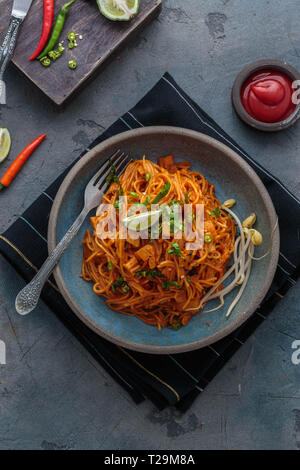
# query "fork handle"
(6, 51)
(28, 297)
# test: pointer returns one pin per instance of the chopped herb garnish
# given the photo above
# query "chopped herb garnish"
(122, 284)
(216, 212)
(125, 288)
(135, 195)
(168, 284)
(150, 274)
(175, 250)
(111, 175)
(176, 326)
(117, 204)
(148, 176)
(117, 180)
(176, 201)
(113, 178)
(110, 266)
(186, 197)
(117, 284)
(141, 273)
(162, 193)
(188, 279)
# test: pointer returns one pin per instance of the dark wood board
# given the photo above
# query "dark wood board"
(102, 40)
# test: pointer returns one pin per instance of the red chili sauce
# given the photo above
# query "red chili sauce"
(267, 96)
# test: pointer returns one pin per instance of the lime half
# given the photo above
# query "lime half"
(139, 222)
(5, 143)
(119, 10)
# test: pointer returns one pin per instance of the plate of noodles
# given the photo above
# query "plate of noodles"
(153, 289)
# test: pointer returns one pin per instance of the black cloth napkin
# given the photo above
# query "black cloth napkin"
(166, 379)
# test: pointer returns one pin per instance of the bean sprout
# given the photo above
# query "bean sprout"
(242, 261)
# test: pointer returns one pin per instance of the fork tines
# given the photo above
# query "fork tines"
(118, 160)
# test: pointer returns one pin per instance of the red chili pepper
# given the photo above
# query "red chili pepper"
(16, 165)
(47, 23)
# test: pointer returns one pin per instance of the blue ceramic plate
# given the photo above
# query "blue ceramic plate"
(232, 177)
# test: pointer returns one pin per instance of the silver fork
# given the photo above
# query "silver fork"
(28, 297)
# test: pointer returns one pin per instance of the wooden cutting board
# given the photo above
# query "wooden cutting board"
(102, 40)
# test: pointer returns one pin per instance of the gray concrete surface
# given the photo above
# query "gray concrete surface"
(53, 395)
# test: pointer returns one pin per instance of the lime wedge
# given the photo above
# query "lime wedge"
(119, 10)
(139, 222)
(5, 143)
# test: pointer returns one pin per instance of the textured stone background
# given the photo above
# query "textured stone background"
(52, 393)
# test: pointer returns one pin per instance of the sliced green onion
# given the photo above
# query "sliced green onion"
(168, 284)
(135, 195)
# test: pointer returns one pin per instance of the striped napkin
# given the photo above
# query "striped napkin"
(167, 379)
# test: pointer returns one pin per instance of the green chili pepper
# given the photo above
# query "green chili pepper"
(162, 193)
(208, 238)
(51, 54)
(72, 64)
(71, 36)
(57, 53)
(46, 62)
(57, 28)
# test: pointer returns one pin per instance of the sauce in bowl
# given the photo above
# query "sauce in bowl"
(267, 96)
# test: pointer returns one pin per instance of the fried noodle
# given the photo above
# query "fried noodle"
(140, 277)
